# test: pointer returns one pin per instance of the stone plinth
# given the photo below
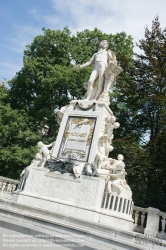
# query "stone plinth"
(80, 130)
(63, 193)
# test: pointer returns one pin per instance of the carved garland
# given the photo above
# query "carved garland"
(80, 105)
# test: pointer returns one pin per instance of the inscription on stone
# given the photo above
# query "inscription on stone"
(82, 191)
(77, 137)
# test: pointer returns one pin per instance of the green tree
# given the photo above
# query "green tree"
(149, 98)
(42, 85)
(150, 78)
(17, 139)
(139, 103)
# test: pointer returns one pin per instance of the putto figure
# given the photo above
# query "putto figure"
(102, 61)
(44, 151)
(3, 84)
(117, 179)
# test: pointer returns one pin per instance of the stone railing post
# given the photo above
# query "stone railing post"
(139, 219)
(152, 224)
(142, 219)
(136, 217)
(7, 185)
(163, 221)
(13, 187)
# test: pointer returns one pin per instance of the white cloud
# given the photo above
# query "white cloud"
(36, 14)
(23, 36)
(39, 15)
(111, 16)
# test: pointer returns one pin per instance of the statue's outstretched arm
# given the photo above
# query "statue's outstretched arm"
(50, 145)
(82, 66)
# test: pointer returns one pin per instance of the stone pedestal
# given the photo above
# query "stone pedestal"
(63, 193)
(80, 130)
(86, 131)
(82, 198)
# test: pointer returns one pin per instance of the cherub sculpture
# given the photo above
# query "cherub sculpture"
(44, 151)
(117, 178)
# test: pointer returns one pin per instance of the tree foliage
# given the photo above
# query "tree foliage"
(142, 104)
(17, 139)
(150, 79)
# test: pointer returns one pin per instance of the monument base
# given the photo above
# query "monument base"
(64, 194)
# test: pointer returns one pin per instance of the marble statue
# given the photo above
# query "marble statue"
(101, 159)
(117, 178)
(41, 157)
(60, 114)
(44, 151)
(75, 176)
(110, 125)
(82, 168)
(104, 72)
(78, 169)
(104, 145)
(3, 84)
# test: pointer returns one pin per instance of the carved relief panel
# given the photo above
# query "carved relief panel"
(82, 191)
(77, 138)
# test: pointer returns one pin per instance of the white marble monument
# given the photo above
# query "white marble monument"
(76, 177)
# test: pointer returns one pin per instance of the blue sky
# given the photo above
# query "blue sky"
(22, 20)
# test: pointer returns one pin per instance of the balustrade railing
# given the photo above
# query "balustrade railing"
(140, 218)
(7, 185)
(162, 225)
(149, 221)
(117, 203)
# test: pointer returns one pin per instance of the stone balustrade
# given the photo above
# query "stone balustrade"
(7, 185)
(140, 218)
(117, 203)
(163, 224)
(149, 221)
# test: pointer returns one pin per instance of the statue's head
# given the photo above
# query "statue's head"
(120, 157)
(113, 119)
(104, 43)
(116, 125)
(38, 156)
(40, 144)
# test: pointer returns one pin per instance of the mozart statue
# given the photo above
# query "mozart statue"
(104, 72)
